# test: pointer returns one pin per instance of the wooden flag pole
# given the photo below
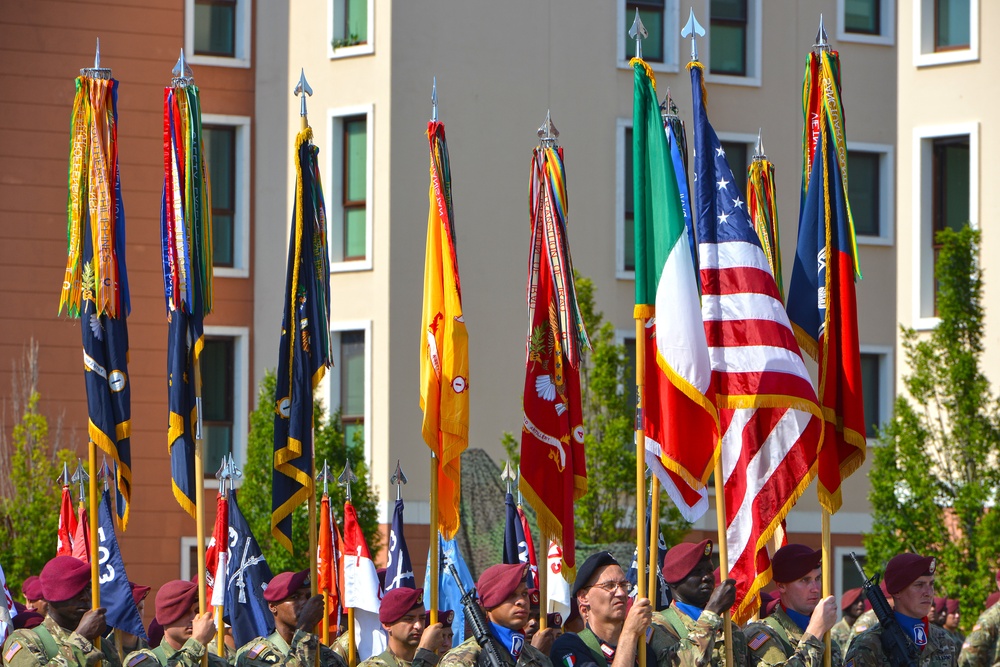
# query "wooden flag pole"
(720, 514)
(640, 470)
(95, 582)
(435, 567)
(654, 537)
(199, 497)
(543, 598)
(827, 578)
(220, 624)
(352, 651)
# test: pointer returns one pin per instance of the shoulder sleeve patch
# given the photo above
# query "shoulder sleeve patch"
(257, 649)
(976, 627)
(136, 659)
(758, 640)
(12, 650)
(850, 663)
(858, 629)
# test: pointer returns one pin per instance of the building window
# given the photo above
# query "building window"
(217, 382)
(350, 27)
(350, 212)
(220, 154)
(652, 14)
(217, 32)
(863, 16)
(628, 246)
(628, 386)
(846, 573)
(350, 384)
(737, 155)
(871, 386)
(729, 37)
(951, 24)
(864, 191)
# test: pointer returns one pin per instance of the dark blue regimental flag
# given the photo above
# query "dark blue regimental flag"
(515, 544)
(662, 596)
(184, 343)
(398, 570)
(304, 348)
(247, 575)
(116, 593)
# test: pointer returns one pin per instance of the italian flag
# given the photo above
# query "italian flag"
(679, 415)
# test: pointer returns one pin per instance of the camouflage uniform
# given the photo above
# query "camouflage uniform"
(31, 648)
(865, 621)
(956, 635)
(661, 650)
(777, 640)
(866, 649)
(341, 645)
(982, 648)
(422, 658)
(466, 654)
(165, 655)
(841, 635)
(697, 637)
(274, 650)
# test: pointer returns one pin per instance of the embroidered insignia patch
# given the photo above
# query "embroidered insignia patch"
(757, 641)
(256, 650)
(15, 646)
(569, 661)
(136, 659)
(975, 628)
(919, 636)
(858, 629)
(850, 663)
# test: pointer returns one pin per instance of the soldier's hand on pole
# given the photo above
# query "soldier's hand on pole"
(543, 639)
(823, 618)
(723, 597)
(203, 628)
(310, 614)
(92, 624)
(639, 618)
(432, 637)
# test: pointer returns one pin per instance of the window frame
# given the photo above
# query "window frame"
(754, 46)
(330, 393)
(887, 192)
(924, 53)
(887, 25)
(241, 199)
(886, 380)
(241, 38)
(367, 48)
(839, 554)
(922, 192)
(231, 399)
(671, 46)
(621, 273)
(241, 394)
(334, 194)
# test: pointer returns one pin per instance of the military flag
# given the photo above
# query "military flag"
(679, 414)
(186, 254)
(398, 570)
(822, 304)
(81, 540)
(217, 554)
(330, 561)
(557, 586)
(553, 463)
(515, 543)
(247, 575)
(7, 609)
(67, 524)
(769, 417)
(116, 593)
(449, 597)
(95, 286)
(304, 349)
(361, 588)
(661, 597)
(444, 341)
(763, 209)
(530, 544)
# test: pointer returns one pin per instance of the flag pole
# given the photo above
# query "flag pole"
(654, 535)
(225, 475)
(720, 515)
(324, 476)
(345, 479)
(827, 578)
(95, 583)
(434, 548)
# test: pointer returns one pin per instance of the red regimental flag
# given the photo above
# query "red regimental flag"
(217, 553)
(532, 561)
(330, 560)
(81, 538)
(67, 525)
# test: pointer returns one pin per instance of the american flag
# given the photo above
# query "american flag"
(768, 412)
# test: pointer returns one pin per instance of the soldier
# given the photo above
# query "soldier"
(982, 648)
(504, 595)
(186, 633)
(952, 617)
(534, 616)
(793, 633)
(694, 617)
(613, 630)
(32, 589)
(868, 618)
(292, 644)
(66, 636)
(852, 605)
(910, 579)
(410, 640)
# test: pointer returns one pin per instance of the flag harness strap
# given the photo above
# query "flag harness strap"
(48, 641)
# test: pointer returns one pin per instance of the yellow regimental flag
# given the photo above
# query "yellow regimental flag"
(444, 342)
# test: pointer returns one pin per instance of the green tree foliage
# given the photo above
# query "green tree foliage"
(29, 490)
(255, 493)
(935, 477)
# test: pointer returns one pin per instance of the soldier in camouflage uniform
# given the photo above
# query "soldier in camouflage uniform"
(982, 647)
(66, 636)
(694, 617)
(292, 644)
(792, 634)
(411, 642)
(910, 579)
(186, 634)
(952, 617)
(504, 595)
(852, 605)
(868, 618)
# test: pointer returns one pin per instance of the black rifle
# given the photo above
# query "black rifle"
(476, 618)
(895, 644)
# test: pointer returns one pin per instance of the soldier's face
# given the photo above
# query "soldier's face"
(697, 587)
(513, 612)
(41, 606)
(408, 630)
(286, 612)
(179, 631)
(447, 637)
(917, 599)
(857, 608)
(69, 612)
(951, 621)
(602, 605)
(804, 594)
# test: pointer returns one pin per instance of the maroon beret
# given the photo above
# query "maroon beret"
(952, 605)
(139, 593)
(397, 602)
(850, 597)
(155, 633)
(534, 597)
(63, 578)
(26, 618)
(498, 582)
(285, 584)
(174, 600)
(904, 569)
(794, 561)
(939, 604)
(32, 588)
(771, 606)
(682, 558)
(446, 616)
(993, 598)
